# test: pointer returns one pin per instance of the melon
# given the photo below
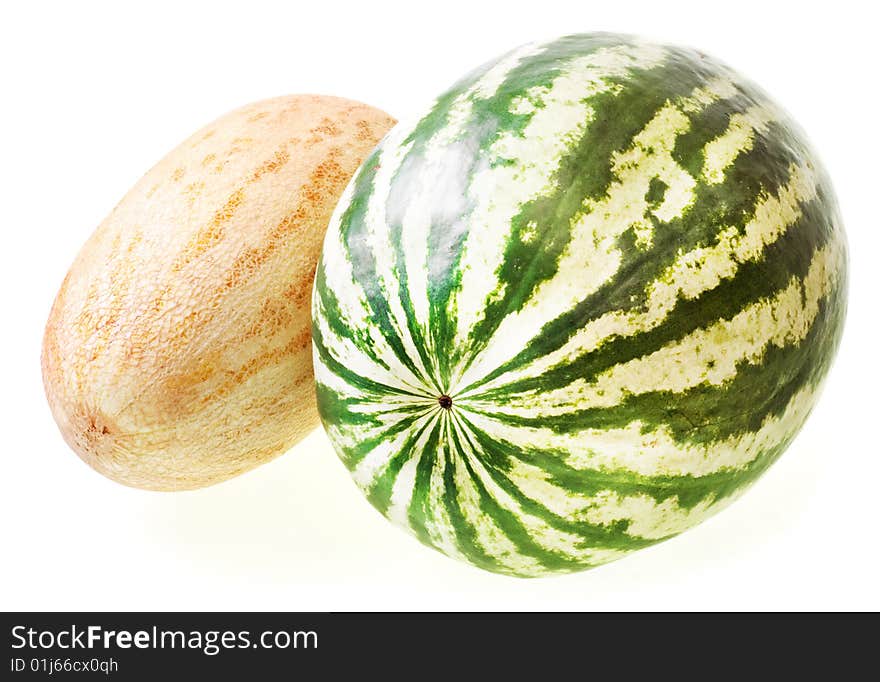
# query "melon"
(177, 353)
(577, 305)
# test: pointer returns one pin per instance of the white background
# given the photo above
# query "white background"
(93, 95)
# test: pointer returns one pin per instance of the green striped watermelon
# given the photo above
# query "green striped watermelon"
(579, 305)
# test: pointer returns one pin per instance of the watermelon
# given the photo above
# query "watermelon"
(577, 306)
